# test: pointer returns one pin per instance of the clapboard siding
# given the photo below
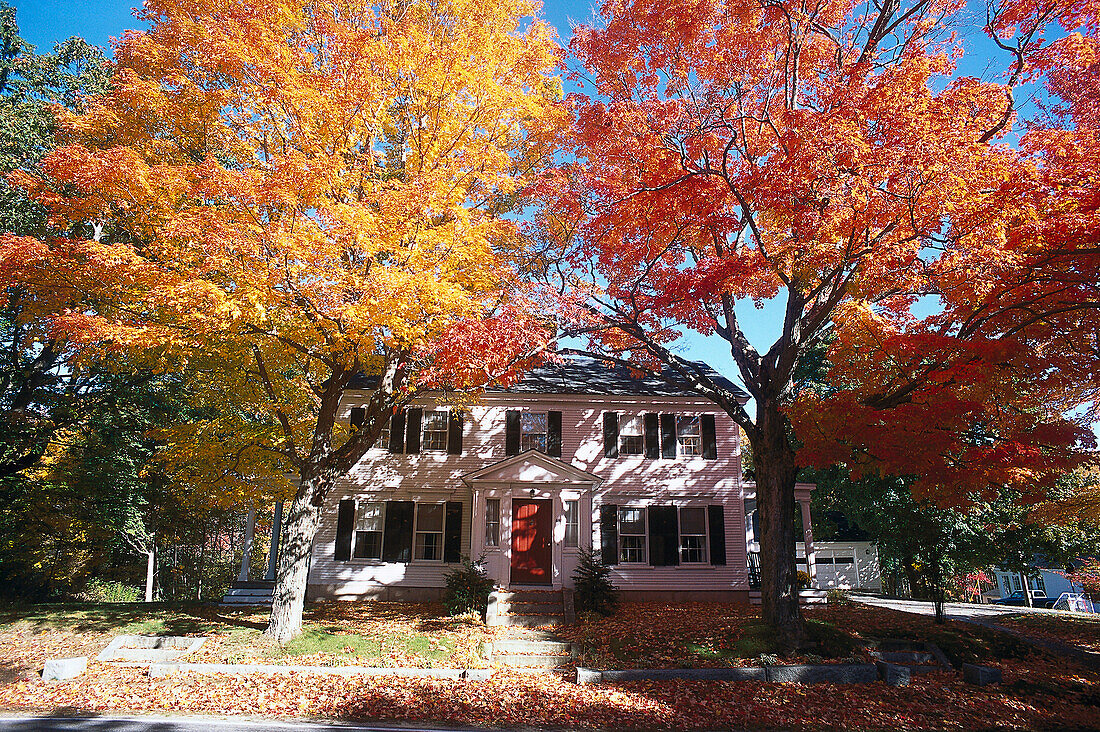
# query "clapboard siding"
(437, 477)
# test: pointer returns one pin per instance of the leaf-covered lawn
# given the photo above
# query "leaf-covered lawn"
(1078, 630)
(364, 634)
(1040, 691)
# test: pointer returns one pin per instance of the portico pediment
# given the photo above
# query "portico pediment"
(531, 467)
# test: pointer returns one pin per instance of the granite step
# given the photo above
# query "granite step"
(530, 621)
(532, 661)
(518, 646)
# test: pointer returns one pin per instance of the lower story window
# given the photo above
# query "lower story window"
(632, 536)
(693, 535)
(368, 530)
(492, 522)
(429, 531)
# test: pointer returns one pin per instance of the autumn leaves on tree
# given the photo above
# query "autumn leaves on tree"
(279, 200)
(282, 198)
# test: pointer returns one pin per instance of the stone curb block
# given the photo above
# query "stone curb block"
(63, 669)
(980, 675)
(893, 674)
(861, 673)
(160, 670)
(142, 649)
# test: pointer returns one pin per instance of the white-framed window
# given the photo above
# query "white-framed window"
(533, 430)
(572, 523)
(369, 519)
(492, 522)
(632, 535)
(689, 435)
(434, 431)
(428, 536)
(632, 436)
(1015, 582)
(693, 535)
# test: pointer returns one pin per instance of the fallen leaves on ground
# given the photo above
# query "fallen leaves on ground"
(1076, 630)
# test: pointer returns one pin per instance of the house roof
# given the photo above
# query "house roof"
(590, 376)
(575, 375)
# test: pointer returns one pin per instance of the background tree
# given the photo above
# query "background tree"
(828, 155)
(283, 198)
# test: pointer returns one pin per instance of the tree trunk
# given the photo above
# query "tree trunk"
(776, 472)
(294, 556)
(1027, 590)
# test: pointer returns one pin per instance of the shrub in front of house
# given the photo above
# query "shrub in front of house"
(593, 590)
(468, 588)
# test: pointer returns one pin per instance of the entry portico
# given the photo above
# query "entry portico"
(536, 508)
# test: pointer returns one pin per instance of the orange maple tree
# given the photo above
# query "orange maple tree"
(828, 154)
(282, 197)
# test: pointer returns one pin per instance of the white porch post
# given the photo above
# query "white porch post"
(808, 540)
(273, 552)
(249, 532)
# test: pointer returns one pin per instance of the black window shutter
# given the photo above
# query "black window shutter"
(610, 434)
(716, 517)
(412, 430)
(358, 417)
(452, 533)
(345, 522)
(397, 535)
(668, 436)
(609, 534)
(397, 432)
(511, 432)
(652, 436)
(710, 440)
(454, 432)
(664, 536)
(553, 434)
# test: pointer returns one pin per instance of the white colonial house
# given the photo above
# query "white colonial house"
(574, 455)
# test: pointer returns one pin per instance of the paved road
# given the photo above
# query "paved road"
(195, 724)
(955, 610)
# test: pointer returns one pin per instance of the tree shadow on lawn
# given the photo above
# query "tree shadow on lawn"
(131, 618)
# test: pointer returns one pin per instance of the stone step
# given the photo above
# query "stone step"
(531, 661)
(534, 608)
(907, 657)
(531, 621)
(531, 595)
(518, 646)
(259, 592)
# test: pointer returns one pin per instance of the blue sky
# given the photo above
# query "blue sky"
(45, 22)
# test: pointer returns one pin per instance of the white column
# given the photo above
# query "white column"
(276, 533)
(249, 532)
(808, 540)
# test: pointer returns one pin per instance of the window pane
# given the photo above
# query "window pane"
(429, 517)
(633, 549)
(687, 426)
(631, 426)
(492, 522)
(368, 517)
(428, 545)
(693, 549)
(572, 523)
(693, 521)
(534, 422)
(368, 544)
(631, 521)
(533, 442)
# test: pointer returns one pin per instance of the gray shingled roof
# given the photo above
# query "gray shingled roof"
(574, 375)
(589, 376)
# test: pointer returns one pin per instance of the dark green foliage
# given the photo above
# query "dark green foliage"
(467, 588)
(593, 590)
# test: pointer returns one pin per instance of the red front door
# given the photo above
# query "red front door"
(531, 541)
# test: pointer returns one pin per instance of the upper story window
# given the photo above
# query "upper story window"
(631, 436)
(414, 430)
(689, 436)
(660, 436)
(435, 430)
(533, 431)
(525, 430)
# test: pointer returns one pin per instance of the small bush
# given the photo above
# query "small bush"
(467, 588)
(593, 590)
(109, 591)
(803, 580)
(838, 597)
